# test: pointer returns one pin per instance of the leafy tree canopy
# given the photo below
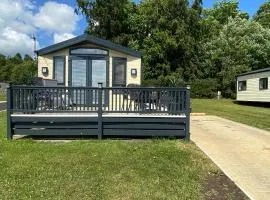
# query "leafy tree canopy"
(17, 70)
(242, 45)
(213, 19)
(184, 43)
(108, 19)
(263, 15)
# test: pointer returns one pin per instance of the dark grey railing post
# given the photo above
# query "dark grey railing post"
(100, 127)
(187, 112)
(9, 110)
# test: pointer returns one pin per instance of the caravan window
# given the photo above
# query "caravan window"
(263, 85)
(119, 72)
(59, 70)
(242, 85)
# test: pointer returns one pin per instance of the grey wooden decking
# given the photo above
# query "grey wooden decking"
(88, 124)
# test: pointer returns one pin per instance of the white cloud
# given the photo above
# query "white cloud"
(19, 19)
(16, 27)
(62, 37)
(12, 42)
(56, 17)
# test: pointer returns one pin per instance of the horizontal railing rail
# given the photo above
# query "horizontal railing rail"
(145, 100)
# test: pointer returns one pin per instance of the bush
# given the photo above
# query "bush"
(204, 88)
(171, 80)
(150, 83)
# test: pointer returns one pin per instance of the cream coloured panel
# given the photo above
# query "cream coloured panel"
(132, 63)
(253, 93)
(47, 61)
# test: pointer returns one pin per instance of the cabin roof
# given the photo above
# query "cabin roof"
(91, 39)
(254, 72)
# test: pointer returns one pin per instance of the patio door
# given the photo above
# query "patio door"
(88, 71)
(99, 74)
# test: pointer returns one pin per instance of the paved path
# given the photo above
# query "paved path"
(2, 105)
(241, 151)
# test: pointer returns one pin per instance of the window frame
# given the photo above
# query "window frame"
(240, 90)
(113, 70)
(54, 67)
(261, 79)
(88, 54)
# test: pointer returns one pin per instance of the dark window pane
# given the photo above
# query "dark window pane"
(78, 78)
(78, 73)
(89, 51)
(59, 64)
(119, 72)
(242, 85)
(263, 85)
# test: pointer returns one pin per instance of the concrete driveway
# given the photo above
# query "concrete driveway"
(2, 105)
(241, 151)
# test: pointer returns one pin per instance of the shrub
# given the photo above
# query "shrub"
(204, 88)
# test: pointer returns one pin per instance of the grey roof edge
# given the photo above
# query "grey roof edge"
(89, 38)
(254, 72)
(61, 45)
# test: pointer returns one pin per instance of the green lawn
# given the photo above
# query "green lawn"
(107, 169)
(2, 97)
(250, 115)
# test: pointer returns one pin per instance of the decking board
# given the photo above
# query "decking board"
(112, 125)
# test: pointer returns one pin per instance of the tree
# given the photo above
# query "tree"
(263, 15)
(160, 29)
(17, 70)
(27, 58)
(170, 36)
(216, 17)
(182, 42)
(241, 45)
(108, 19)
(225, 9)
(17, 59)
(24, 72)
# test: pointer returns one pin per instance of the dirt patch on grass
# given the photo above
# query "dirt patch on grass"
(220, 187)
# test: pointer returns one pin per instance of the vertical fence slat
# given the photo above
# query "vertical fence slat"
(187, 113)
(100, 128)
(9, 112)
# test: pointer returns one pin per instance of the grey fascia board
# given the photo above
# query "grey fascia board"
(113, 46)
(254, 72)
(89, 38)
(61, 45)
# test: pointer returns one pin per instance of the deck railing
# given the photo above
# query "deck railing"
(100, 100)
(33, 99)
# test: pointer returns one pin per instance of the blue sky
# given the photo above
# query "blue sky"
(249, 6)
(54, 21)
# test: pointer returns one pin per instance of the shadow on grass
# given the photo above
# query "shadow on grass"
(96, 138)
(253, 104)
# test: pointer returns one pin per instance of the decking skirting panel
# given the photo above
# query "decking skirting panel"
(50, 125)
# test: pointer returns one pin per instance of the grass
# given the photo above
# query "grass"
(2, 97)
(107, 169)
(254, 116)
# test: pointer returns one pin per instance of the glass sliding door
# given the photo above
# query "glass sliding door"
(99, 75)
(88, 71)
(79, 79)
(79, 70)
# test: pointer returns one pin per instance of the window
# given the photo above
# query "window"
(90, 51)
(119, 72)
(263, 85)
(59, 70)
(242, 85)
